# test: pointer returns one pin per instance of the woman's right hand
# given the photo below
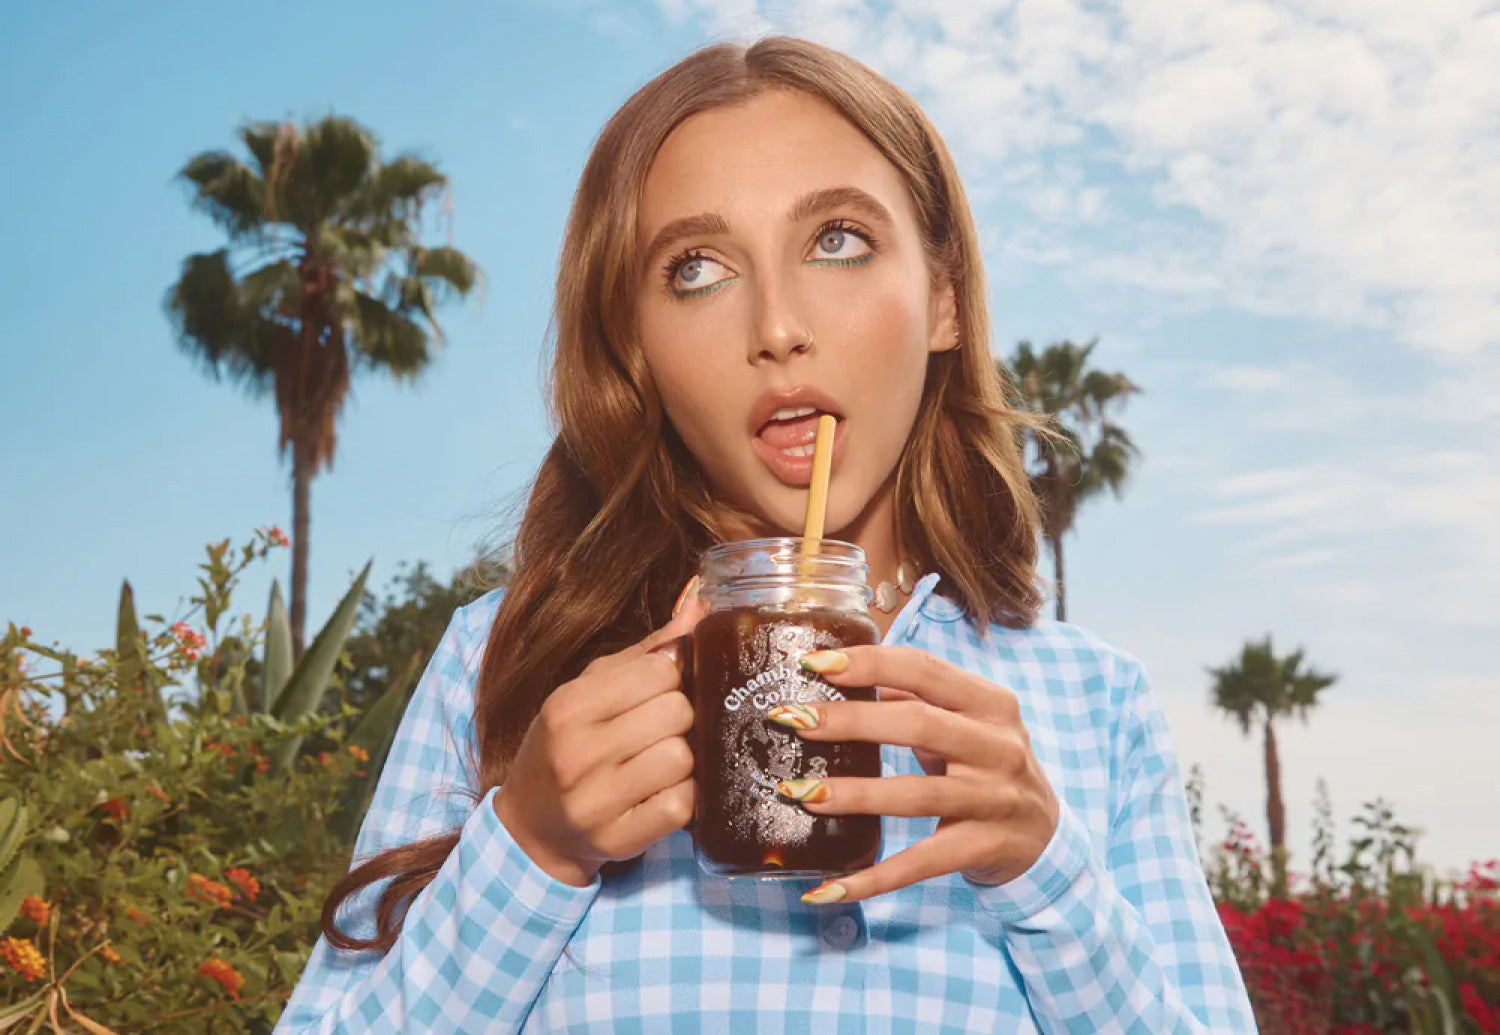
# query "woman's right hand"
(605, 768)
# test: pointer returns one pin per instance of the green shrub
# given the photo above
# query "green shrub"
(172, 812)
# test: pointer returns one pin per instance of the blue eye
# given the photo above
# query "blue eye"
(841, 246)
(694, 274)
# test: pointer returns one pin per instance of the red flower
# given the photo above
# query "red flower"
(210, 891)
(217, 970)
(242, 879)
(114, 808)
(24, 958)
(35, 909)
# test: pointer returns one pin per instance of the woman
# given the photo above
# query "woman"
(759, 233)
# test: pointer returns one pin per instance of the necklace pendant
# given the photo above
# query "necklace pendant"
(906, 578)
(885, 597)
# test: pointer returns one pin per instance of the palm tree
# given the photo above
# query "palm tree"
(324, 274)
(1257, 689)
(1086, 452)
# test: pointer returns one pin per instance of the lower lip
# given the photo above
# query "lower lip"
(795, 471)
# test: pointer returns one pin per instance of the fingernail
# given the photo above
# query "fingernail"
(807, 789)
(797, 716)
(689, 592)
(825, 893)
(824, 662)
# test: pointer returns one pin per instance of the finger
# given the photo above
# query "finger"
(913, 724)
(932, 765)
(665, 812)
(931, 857)
(944, 796)
(601, 695)
(918, 672)
(668, 714)
(612, 791)
(686, 614)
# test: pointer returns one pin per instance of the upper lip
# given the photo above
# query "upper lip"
(790, 398)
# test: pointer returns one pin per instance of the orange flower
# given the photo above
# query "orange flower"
(26, 632)
(210, 891)
(359, 753)
(279, 537)
(217, 970)
(35, 909)
(109, 953)
(158, 793)
(24, 958)
(242, 879)
(137, 915)
(114, 807)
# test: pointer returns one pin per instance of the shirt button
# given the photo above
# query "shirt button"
(840, 932)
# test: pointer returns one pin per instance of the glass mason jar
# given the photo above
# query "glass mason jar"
(768, 606)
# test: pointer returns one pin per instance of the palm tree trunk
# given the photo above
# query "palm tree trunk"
(1275, 813)
(1057, 566)
(302, 469)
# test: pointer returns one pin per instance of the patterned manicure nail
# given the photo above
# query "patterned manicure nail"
(797, 716)
(688, 593)
(807, 789)
(824, 662)
(825, 893)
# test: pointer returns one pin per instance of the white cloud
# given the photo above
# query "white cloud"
(1334, 158)
(1247, 379)
(1443, 502)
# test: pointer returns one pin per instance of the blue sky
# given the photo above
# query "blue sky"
(1285, 225)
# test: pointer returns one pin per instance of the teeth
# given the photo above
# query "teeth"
(792, 413)
(797, 451)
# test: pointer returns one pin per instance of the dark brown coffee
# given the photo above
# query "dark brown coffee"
(743, 662)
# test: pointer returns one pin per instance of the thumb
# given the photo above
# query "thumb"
(686, 614)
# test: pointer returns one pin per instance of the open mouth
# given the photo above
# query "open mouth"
(792, 430)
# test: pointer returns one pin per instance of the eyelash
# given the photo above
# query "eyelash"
(671, 267)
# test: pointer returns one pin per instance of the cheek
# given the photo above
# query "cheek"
(889, 352)
(694, 395)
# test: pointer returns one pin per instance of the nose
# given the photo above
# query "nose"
(780, 331)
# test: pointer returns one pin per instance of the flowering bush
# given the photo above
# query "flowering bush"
(168, 835)
(1369, 945)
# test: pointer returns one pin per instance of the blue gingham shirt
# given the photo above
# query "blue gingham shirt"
(1111, 930)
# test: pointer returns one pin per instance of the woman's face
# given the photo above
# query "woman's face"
(784, 277)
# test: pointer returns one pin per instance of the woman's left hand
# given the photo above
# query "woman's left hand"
(996, 809)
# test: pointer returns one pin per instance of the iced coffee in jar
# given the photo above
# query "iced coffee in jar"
(769, 604)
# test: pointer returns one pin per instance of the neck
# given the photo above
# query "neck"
(874, 531)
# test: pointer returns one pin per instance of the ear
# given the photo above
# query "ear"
(942, 316)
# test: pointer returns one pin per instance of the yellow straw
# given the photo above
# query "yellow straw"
(817, 494)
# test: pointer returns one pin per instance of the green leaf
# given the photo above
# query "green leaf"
(128, 650)
(21, 878)
(374, 734)
(12, 829)
(309, 680)
(278, 660)
(17, 1012)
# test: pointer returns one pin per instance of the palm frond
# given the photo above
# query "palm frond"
(260, 139)
(228, 190)
(335, 163)
(447, 270)
(213, 324)
(1259, 682)
(389, 339)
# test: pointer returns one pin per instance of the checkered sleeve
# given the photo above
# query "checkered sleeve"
(1126, 939)
(480, 940)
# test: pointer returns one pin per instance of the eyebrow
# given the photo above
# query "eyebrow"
(813, 203)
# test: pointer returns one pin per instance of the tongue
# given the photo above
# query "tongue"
(783, 434)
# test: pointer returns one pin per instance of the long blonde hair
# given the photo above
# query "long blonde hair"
(618, 514)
